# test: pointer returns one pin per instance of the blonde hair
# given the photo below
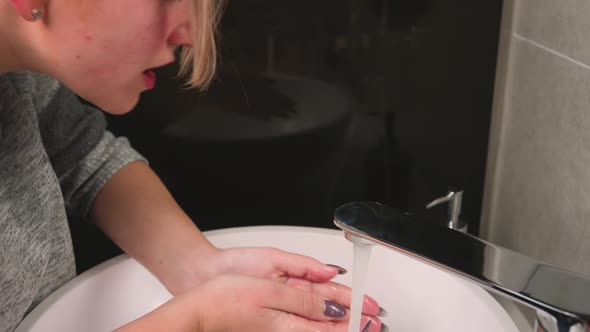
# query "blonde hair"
(200, 60)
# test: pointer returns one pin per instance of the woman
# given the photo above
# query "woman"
(57, 159)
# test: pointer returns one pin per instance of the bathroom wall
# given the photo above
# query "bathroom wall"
(538, 185)
(537, 197)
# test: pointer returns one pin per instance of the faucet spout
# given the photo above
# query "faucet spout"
(560, 298)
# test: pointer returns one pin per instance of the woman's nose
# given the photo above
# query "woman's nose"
(181, 36)
(180, 17)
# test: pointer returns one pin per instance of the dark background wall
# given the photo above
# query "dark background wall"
(319, 103)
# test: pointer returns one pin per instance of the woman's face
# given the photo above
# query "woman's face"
(104, 49)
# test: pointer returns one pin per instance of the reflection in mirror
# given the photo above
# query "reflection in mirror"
(387, 100)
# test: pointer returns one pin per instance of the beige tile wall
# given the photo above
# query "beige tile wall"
(537, 198)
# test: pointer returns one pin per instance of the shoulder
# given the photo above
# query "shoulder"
(39, 88)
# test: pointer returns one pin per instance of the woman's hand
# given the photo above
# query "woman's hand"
(300, 270)
(257, 262)
(271, 264)
(243, 303)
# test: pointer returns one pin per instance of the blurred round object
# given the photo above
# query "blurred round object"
(235, 113)
(262, 144)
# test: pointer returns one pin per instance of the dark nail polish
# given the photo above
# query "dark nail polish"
(384, 328)
(341, 270)
(366, 328)
(334, 310)
(382, 312)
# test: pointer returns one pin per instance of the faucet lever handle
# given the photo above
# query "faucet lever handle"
(441, 200)
(455, 199)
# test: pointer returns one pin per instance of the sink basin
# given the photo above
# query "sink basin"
(417, 297)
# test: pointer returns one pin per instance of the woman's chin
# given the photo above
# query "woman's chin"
(119, 107)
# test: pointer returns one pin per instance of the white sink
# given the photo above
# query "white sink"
(418, 297)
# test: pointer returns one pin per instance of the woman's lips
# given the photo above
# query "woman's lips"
(149, 77)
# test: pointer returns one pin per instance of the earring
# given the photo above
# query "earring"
(36, 14)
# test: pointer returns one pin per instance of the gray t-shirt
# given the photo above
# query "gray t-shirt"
(55, 155)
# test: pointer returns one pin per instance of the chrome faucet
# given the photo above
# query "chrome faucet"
(561, 298)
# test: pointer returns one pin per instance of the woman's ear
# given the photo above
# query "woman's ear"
(30, 10)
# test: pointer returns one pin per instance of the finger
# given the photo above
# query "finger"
(339, 293)
(302, 303)
(293, 323)
(372, 324)
(304, 267)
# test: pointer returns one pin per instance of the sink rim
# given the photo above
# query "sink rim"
(38, 312)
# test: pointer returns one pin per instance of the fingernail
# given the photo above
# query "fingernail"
(382, 312)
(370, 301)
(334, 310)
(340, 269)
(366, 328)
(384, 328)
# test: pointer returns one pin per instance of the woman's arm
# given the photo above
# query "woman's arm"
(137, 212)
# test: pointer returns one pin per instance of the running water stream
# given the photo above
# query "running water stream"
(362, 253)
